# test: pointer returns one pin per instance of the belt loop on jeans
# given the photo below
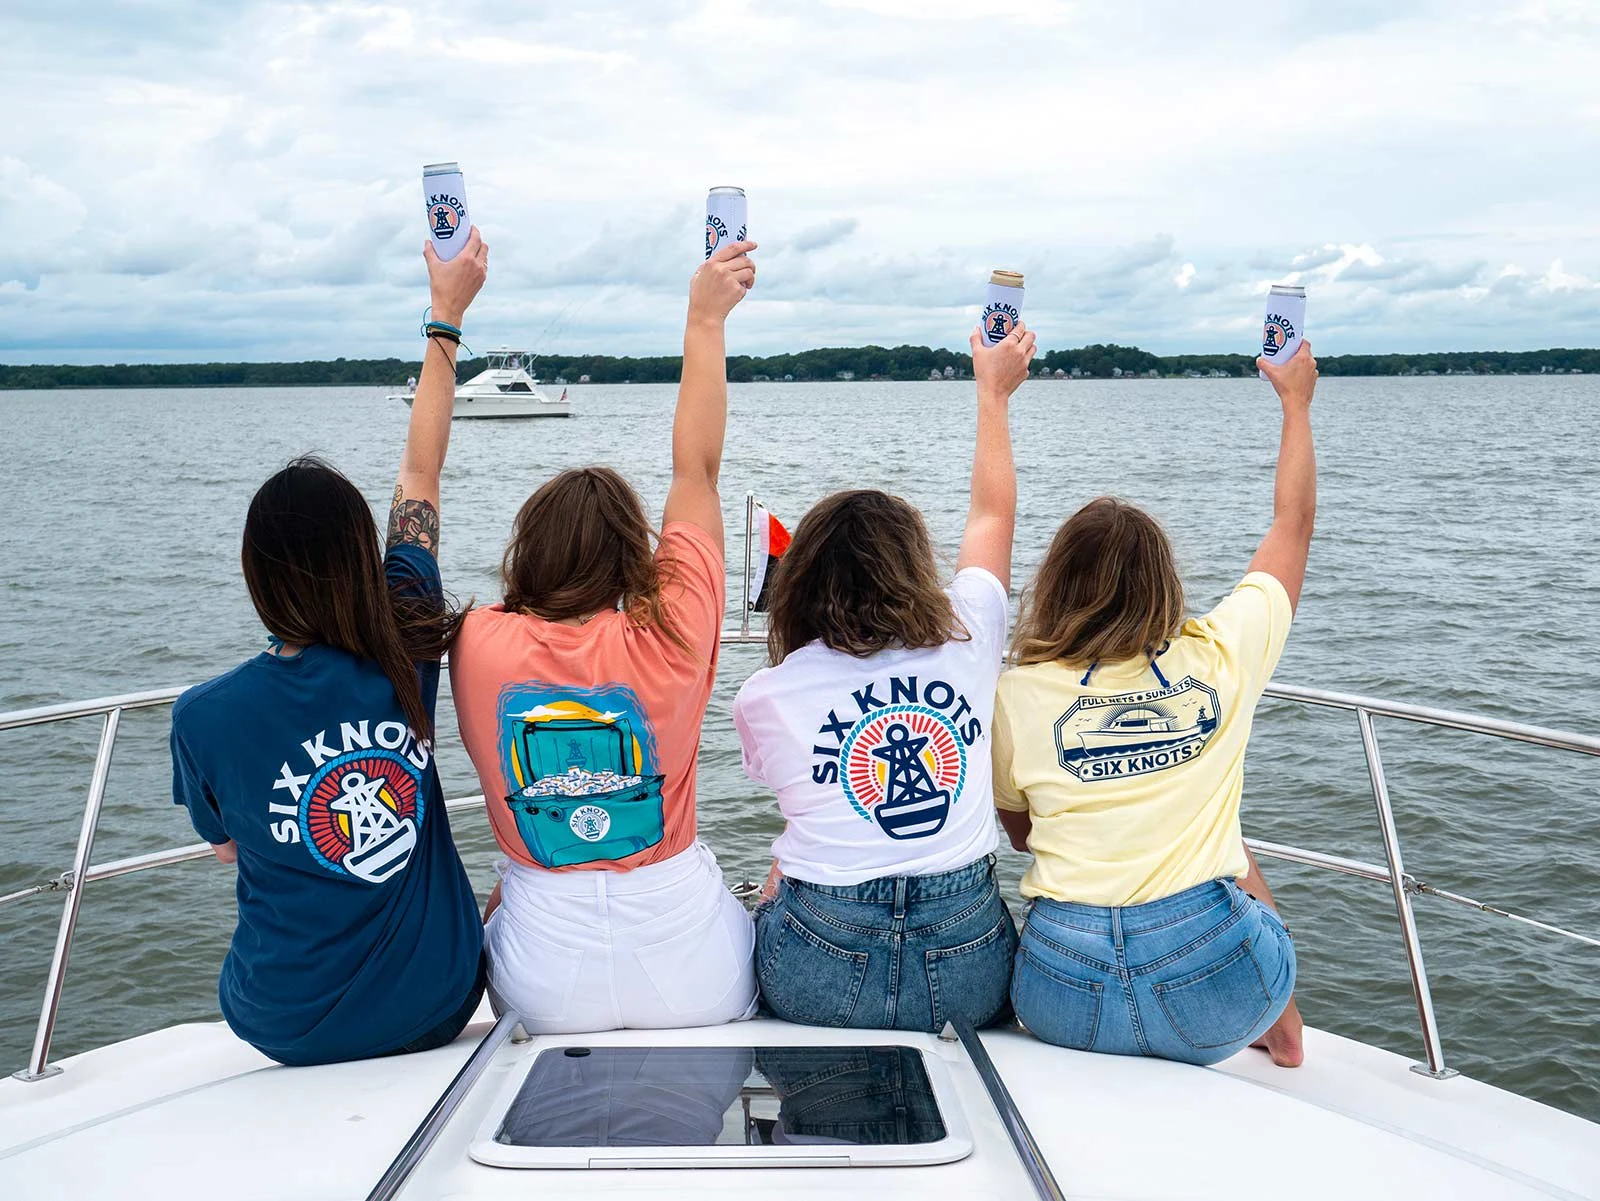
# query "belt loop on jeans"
(901, 884)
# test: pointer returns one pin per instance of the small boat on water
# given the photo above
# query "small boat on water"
(504, 389)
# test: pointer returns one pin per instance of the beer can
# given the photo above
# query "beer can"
(1285, 325)
(1002, 307)
(725, 218)
(444, 191)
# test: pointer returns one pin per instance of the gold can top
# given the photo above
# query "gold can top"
(1006, 279)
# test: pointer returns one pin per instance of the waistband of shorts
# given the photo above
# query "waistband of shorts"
(917, 888)
(693, 861)
(1151, 915)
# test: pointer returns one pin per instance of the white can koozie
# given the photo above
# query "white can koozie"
(1285, 325)
(727, 214)
(444, 192)
(1002, 307)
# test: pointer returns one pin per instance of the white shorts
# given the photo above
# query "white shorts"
(656, 947)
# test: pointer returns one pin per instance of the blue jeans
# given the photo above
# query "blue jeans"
(896, 953)
(1194, 977)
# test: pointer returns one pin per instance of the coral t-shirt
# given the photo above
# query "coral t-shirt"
(585, 737)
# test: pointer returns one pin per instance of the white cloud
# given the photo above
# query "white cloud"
(250, 172)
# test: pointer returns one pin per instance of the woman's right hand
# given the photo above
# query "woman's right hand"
(721, 281)
(453, 285)
(1295, 380)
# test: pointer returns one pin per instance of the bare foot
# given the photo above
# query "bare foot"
(1283, 1039)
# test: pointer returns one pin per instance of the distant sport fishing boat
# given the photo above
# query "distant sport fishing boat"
(764, 1108)
(504, 389)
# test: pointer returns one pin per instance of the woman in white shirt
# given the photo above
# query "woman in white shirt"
(872, 726)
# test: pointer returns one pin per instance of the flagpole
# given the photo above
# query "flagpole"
(749, 530)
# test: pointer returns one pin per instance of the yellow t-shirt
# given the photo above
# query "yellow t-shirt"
(1133, 773)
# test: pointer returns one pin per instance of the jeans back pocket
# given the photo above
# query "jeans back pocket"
(973, 979)
(1057, 1007)
(804, 977)
(1219, 1004)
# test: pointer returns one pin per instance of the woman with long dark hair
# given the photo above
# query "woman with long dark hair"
(311, 766)
(1119, 763)
(581, 698)
(872, 726)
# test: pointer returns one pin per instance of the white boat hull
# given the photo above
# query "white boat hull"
(499, 404)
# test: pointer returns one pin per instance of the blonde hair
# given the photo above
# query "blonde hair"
(1107, 590)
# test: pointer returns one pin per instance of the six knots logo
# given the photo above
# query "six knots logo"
(444, 215)
(1275, 334)
(999, 320)
(360, 812)
(1136, 733)
(903, 766)
(716, 233)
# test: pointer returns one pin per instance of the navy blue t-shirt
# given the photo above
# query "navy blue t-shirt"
(358, 931)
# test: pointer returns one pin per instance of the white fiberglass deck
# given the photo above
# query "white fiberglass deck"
(190, 1112)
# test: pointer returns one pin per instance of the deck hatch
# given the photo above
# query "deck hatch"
(741, 1106)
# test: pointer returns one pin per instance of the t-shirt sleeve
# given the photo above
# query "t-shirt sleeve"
(693, 585)
(749, 747)
(981, 602)
(1006, 794)
(190, 790)
(413, 573)
(1252, 625)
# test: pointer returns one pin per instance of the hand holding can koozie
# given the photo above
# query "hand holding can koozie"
(1284, 327)
(1002, 307)
(444, 192)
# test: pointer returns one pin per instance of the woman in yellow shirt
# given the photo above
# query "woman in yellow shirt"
(1119, 744)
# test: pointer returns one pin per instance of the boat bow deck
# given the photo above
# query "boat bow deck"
(191, 1112)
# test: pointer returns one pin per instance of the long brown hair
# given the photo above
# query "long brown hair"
(860, 577)
(314, 566)
(581, 543)
(1108, 590)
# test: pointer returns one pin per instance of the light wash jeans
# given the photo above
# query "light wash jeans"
(1196, 977)
(896, 953)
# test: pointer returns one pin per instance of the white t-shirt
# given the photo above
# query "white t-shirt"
(882, 765)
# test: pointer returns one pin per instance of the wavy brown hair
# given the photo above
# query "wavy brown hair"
(860, 578)
(314, 566)
(581, 543)
(1108, 590)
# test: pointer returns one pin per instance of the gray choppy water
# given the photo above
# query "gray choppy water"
(1454, 565)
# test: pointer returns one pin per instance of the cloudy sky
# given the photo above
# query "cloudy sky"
(188, 179)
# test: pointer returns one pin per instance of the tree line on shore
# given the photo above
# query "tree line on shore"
(829, 363)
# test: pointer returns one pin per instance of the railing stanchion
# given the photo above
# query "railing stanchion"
(749, 537)
(1402, 903)
(38, 1066)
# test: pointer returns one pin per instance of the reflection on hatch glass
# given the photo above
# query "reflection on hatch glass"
(723, 1096)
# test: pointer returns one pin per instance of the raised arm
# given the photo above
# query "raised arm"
(701, 421)
(414, 513)
(1282, 553)
(992, 513)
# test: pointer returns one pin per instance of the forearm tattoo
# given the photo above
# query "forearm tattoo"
(413, 521)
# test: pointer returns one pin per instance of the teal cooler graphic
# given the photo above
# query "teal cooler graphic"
(563, 823)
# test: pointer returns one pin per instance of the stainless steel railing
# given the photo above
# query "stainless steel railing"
(1392, 872)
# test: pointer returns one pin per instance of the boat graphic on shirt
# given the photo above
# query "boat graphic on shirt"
(1136, 733)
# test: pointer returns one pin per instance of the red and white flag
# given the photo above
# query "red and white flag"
(770, 540)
